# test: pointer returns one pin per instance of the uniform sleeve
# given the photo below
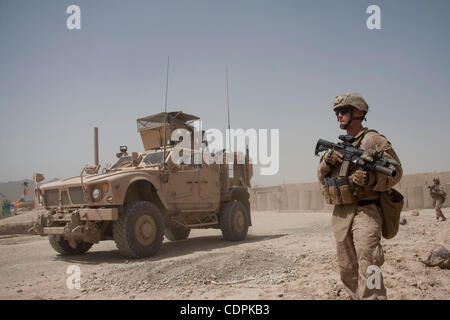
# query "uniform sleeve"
(383, 181)
(323, 169)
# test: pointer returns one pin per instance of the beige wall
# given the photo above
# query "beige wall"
(307, 196)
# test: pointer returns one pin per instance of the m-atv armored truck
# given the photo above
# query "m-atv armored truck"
(143, 197)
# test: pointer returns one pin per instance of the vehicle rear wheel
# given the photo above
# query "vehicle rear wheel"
(176, 233)
(139, 230)
(63, 247)
(233, 221)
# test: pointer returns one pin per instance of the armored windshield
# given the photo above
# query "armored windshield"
(154, 158)
(120, 162)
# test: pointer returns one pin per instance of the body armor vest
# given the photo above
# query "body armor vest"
(339, 189)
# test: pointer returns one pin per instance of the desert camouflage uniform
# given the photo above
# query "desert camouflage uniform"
(357, 228)
(438, 195)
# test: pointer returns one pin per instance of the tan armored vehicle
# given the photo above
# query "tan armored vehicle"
(141, 198)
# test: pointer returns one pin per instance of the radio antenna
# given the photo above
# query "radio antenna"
(229, 137)
(165, 114)
(228, 105)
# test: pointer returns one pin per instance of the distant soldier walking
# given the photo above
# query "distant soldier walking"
(438, 195)
(357, 224)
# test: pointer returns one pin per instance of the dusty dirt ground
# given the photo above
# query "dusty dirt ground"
(285, 256)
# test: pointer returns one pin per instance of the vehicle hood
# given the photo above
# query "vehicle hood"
(76, 181)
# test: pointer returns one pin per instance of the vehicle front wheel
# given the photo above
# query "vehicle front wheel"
(233, 221)
(139, 230)
(63, 247)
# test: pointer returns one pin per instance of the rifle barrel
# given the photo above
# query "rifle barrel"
(386, 171)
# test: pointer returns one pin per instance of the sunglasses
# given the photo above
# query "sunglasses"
(343, 111)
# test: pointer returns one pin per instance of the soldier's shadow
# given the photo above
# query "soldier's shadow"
(169, 249)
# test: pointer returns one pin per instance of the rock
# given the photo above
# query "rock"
(422, 286)
(403, 221)
(280, 295)
(434, 283)
(19, 291)
(415, 213)
(438, 257)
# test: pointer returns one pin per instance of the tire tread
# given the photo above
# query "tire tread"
(122, 238)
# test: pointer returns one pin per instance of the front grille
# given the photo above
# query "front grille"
(52, 197)
(76, 195)
(65, 198)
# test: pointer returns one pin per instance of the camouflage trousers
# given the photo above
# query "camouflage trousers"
(360, 255)
(437, 203)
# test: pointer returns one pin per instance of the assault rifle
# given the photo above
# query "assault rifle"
(433, 190)
(367, 161)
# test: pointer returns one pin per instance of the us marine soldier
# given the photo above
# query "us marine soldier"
(438, 195)
(357, 226)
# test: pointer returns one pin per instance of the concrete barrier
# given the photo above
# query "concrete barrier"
(19, 224)
(15, 228)
(307, 196)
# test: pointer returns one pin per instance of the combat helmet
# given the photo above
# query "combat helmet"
(350, 99)
(353, 100)
(436, 180)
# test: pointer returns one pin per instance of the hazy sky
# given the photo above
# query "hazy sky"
(287, 60)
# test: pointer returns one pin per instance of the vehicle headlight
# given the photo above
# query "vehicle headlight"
(96, 194)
